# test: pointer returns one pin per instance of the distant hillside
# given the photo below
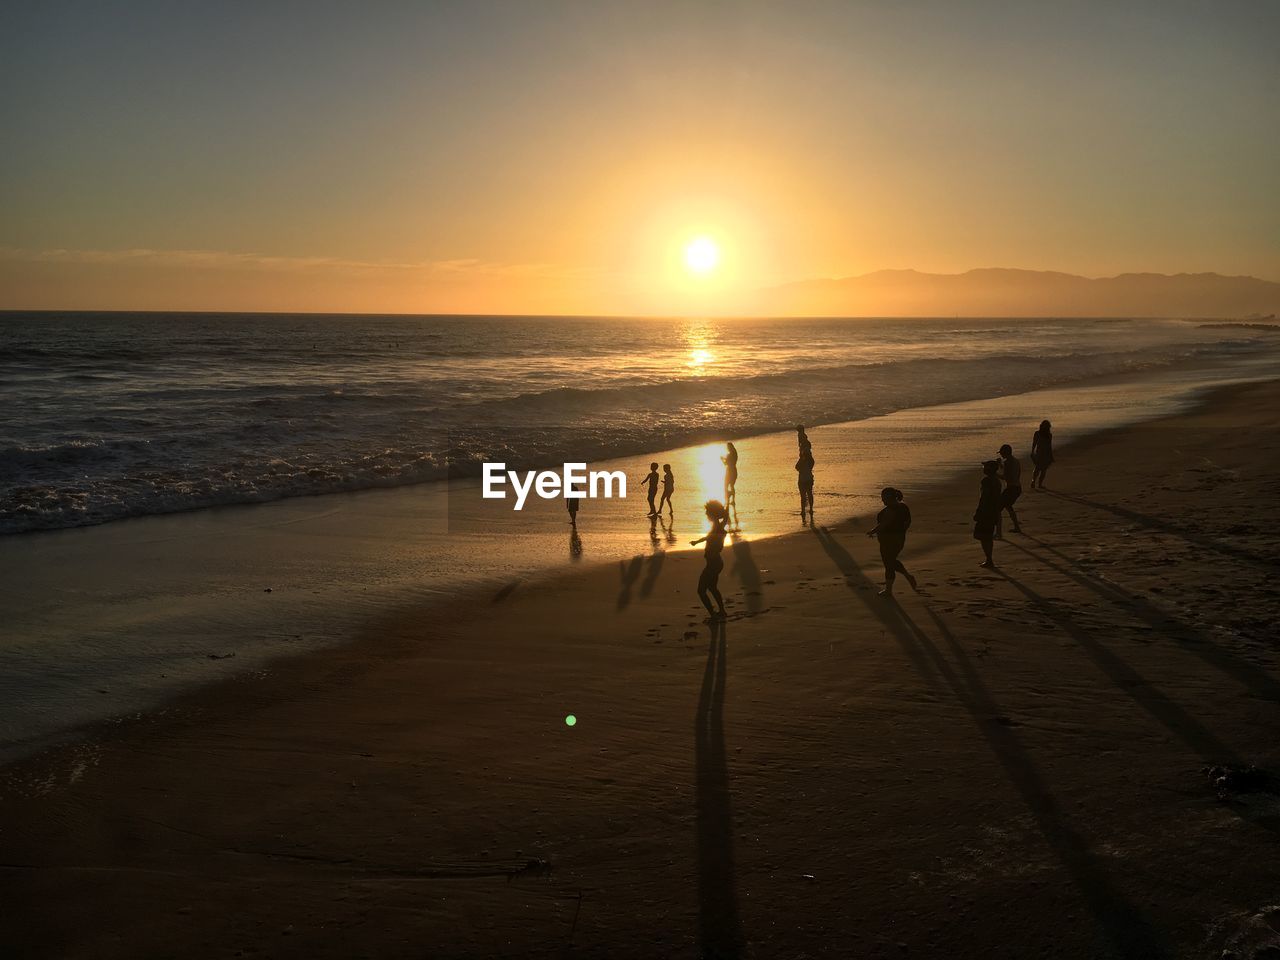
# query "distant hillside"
(1025, 293)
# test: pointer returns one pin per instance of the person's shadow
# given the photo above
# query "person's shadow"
(628, 574)
(1123, 923)
(1171, 528)
(719, 927)
(745, 569)
(1170, 627)
(652, 570)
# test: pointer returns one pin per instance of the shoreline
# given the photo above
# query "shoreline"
(427, 765)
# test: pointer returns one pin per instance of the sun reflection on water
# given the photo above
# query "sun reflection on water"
(700, 357)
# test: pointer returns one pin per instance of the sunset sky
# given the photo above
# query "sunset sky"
(543, 157)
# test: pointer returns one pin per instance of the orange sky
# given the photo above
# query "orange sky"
(556, 158)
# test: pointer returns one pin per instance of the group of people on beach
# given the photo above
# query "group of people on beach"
(998, 494)
(1000, 489)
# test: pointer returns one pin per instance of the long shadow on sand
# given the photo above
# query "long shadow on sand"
(651, 572)
(1120, 921)
(1171, 528)
(1171, 716)
(1186, 636)
(628, 574)
(1137, 688)
(719, 927)
(1124, 925)
(745, 569)
(854, 578)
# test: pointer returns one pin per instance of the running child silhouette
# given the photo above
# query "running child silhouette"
(891, 528)
(709, 582)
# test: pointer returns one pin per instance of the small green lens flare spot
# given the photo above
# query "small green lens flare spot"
(570, 720)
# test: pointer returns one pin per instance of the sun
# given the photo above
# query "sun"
(701, 255)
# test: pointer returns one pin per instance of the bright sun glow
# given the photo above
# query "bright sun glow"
(701, 255)
(710, 471)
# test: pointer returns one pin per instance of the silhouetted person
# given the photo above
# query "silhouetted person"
(987, 515)
(572, 504)
(652, 480)
(1041, 453)
(730, 461)
(804, 472)
(668, 488)
(891, 528)
(1011, 473)
(709, 582)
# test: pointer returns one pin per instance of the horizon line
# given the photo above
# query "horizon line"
(4, 311)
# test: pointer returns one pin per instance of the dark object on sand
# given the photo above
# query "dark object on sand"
(1246, 936)
(1227, 780)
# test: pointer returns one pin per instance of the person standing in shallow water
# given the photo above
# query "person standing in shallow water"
(730, 461)
(709, 582)
(804, 472)
(652, 480)
(1041, 453)
(987, 515)
(668, 488)
(891, 528)
(1011, 473)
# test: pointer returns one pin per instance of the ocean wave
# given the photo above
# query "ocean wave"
(161, 444)
(847, 377)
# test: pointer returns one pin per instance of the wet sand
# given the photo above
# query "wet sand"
(1008, 765)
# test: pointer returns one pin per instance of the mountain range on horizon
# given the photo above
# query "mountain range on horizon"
(1008, 292)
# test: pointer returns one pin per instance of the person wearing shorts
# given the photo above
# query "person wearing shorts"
(1011, 473)
(892, 524)
(987, 515)
(1041, 453)
(709, 582)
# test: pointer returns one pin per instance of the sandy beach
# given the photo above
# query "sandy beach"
(1009, 764)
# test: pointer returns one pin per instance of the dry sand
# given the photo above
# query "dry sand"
(1008, 765)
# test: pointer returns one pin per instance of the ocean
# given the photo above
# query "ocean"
(111, 415)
